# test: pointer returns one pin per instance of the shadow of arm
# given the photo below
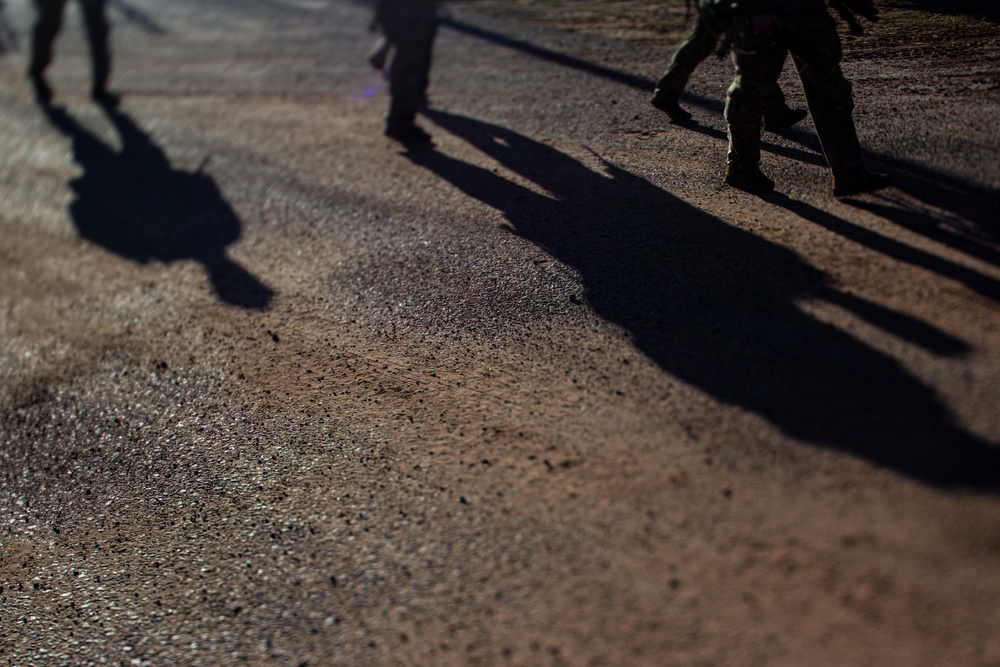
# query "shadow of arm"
(899, 324)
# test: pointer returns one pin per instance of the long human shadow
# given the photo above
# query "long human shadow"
(983, 284)
(718, 307)
(977, 205)
(618, 76)
(973, 242)
(137, 17)
(641, 83)
(134, 203)
(986, 10)
(808, 141)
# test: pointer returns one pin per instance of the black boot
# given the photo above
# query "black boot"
(409, 133)
(857, 180)
(666, 101)
(783, 116)
(748, 179)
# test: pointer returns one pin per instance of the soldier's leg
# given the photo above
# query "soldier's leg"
(830, 99)
(410, 74)
(700, 43)
(96, 20)
(747, 100)
(50, 13)
(831, 102)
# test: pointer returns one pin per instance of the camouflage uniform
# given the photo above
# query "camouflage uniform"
(50, 17)
(703, 40)
(410, 26)
(809, 33)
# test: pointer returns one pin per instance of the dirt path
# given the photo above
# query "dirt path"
(274, 393)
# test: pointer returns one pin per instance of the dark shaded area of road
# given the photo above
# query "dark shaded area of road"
(717, 307)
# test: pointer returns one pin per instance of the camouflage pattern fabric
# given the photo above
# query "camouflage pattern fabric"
(809, 33)
(700, 43)
(713, 22)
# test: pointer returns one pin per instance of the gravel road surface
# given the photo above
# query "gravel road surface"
(276, 392)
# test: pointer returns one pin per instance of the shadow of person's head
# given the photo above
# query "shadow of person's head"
(132, 202)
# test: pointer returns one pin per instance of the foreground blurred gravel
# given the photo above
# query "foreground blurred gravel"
(274, 393)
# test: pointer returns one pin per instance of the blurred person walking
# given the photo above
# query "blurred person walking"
(50, 19)
(409, 28)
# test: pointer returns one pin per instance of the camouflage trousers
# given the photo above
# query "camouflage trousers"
(410, 26)
(701, 42)
(50, 18)
(810, 35)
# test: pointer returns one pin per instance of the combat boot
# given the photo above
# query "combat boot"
(748, 179)
(409, 133)
(666, 101)
(783, 116)
(858, 180)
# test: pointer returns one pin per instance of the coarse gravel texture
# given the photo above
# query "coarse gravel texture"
(275, 392)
